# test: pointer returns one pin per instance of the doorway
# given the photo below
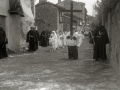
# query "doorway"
(2, 22)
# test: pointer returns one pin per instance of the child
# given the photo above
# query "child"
(53, 41)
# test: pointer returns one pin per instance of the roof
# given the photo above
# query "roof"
(55, 5)
(76, 6)
(67, 3)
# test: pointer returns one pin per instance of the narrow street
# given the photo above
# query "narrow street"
(42, 70)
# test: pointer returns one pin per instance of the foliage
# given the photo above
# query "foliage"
(103, 7)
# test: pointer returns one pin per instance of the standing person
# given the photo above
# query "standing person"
(48, 36)
(53, 41)
(73, 42)
(81, 38)
(100, 39)
(44, 38)
(61, 40)
(3, 42)
(38, 38)
(32, 39)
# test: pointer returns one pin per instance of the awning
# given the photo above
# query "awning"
(26, 7)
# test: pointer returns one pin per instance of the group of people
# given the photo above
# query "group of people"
(98, 37)
(62, 39)
(35, 39)
(56, 40)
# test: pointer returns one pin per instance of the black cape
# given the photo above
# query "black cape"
(100, 40)
(3, 42)
(44, 38)
(32, 40)
(73, 52)
(38, 39)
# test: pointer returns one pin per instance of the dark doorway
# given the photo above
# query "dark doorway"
(2, 22)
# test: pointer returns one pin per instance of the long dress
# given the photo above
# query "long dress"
(61, 41)
(55, 39)
(38, 39)
(32, 40)
(65, 39)
(100, 41)
(52, 42)
(81, 37)
(3, 42)
(58, 41)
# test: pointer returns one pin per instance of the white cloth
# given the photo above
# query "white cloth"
(53, 40)
(61, 44)
(58, 41)
(73, 42)
(26, 7)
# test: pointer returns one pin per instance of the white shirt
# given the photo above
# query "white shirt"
(72, 42)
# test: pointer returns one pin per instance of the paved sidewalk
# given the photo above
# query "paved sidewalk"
(42, 70)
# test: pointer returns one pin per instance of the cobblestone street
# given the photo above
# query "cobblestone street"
(42, 70)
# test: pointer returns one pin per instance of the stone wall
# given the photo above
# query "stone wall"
(66, 25)
(46, 17)
(113, 27)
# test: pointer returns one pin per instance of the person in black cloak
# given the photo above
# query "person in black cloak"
(3, 42)
(38, 39)
(99, 40)
(48, 36)
(44, 38)
(32, 39)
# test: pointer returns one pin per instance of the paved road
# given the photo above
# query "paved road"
(42, 70)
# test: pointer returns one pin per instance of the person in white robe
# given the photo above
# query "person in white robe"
(65, 35)
(53, 41)
(62, 36)
(58, 40)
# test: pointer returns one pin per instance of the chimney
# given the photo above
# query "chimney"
(59, 1)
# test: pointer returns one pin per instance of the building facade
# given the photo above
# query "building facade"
(48, 16)
(15, 22)
(78, 17)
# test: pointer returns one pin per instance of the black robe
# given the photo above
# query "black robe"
(100, 40)
(38, 38)
(32, 40)
(44, 39)
(73, 52)
(3, 42)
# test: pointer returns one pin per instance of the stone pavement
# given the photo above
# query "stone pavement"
(42, 70)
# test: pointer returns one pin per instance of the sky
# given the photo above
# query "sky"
(88, 4)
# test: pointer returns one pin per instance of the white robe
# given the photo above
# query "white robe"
(61, 44)
(53, 40)
(76, 42)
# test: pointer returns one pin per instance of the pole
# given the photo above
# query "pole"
(71, 19)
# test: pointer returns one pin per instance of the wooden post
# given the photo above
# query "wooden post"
(71, 16)
(71, 19)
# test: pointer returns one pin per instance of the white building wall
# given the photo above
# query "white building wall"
(15, 26)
